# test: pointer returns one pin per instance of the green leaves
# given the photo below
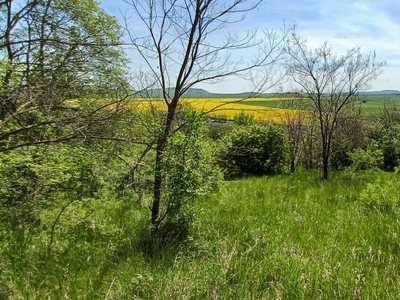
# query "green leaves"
(189, 161)
(61, 55)
(255, 150)
(189, 170)
(370, 158)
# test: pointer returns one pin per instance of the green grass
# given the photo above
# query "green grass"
(369, 103)
(374, 103)
(277, 237)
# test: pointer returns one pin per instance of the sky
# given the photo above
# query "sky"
(374, 25)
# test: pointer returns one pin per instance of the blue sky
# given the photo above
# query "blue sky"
(374, 25)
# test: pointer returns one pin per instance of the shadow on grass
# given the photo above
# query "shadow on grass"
(162, 242)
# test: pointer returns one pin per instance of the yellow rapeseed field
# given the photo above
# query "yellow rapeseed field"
(229, 107)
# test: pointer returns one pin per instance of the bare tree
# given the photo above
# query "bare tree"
(296, 118)
(187, 42)
(332, 82)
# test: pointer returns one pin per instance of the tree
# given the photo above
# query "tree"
(332, 82)
(387, 134)
(181, 45)
(62, 72)
(296, 118)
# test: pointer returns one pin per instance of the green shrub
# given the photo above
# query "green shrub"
(370, 158)
(218, 130)
(378, 196)
(33, 177)
(255, 150)
(387, 134)
(243, 119)
(189, 170)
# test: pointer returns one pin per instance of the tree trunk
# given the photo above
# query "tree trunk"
(293, 165)
(325, 158)
(325, 165)
(155, 210)
(158, 176)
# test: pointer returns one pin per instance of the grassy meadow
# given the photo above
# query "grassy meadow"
(274, 237)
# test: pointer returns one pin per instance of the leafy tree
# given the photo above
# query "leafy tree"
(332, 82)
(61, 71)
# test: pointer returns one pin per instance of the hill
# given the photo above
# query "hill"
(383, 92)
(201, 93)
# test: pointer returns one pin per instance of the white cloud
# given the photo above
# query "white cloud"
(374, 25)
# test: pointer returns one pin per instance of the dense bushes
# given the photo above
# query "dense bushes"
(370, 158)
(255, 150)
(387, 135)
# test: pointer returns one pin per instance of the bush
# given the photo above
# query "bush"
(189, 170)
(387, 134)
(379, 197)
(370, 158)
(243, 119)
(255, 150)
(217, 130)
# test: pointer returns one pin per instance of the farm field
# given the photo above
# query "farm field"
(369, 103)
(373, 103)
(268, 109)
(227, 108)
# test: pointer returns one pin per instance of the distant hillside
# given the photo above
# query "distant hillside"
(384, 92)
(201, 93)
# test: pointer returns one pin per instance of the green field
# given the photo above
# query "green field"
(369, 103)
(274, 237)
(374, 103)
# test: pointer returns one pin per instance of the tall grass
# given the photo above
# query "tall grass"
(280, 237)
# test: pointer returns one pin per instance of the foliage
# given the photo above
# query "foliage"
(218, 130)
(243, 119)
(379, 196)
(62, 75)
(370, 158)
(255, 150)
(387, 134)
(189, 171)
(32, 177)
